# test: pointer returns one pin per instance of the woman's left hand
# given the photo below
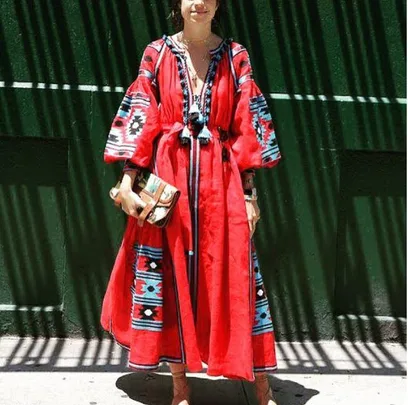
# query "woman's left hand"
(253, 214)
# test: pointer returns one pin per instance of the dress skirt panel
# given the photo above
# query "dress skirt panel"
(140, 313)
(141, 310)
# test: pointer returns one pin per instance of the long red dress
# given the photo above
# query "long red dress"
(193, 292)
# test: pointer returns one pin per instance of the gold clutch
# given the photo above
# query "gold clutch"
(155, 198)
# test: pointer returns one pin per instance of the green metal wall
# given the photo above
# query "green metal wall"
(332, 238)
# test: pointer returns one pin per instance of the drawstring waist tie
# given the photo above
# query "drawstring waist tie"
(192, 131)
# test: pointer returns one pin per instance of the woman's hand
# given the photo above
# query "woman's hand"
(253, 214)
(128, 202)
(126, 197)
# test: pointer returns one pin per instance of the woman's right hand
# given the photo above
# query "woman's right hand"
(128, 203)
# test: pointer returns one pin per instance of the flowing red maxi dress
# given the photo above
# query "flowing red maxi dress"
(193, 292)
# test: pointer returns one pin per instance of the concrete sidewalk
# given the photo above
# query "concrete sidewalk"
(79, 372)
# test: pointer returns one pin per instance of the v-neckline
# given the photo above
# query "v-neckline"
(189, 78)
(185, 77)
(198, 94)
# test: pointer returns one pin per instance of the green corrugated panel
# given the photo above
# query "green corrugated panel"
(315, 232)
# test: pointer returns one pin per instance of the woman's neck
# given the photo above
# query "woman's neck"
(196, 32)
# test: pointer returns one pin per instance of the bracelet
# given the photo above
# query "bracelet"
(251, 197)
(129, 166)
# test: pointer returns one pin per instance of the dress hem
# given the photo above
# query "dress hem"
(169, 359)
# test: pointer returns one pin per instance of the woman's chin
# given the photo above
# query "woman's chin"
(200, 18)
(199, 21)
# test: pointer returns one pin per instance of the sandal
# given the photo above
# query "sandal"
(264, 397)
(181, 394)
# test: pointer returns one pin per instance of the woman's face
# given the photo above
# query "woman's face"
(198, 11)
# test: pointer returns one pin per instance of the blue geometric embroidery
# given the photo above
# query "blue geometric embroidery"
(147, 289)
(153, 253)
(151, 289)
(263, 321)
(124, 109)
(136, 123)
(271, 151)
(141, 100)
(260, 114)
(265, 133)
(146, 319)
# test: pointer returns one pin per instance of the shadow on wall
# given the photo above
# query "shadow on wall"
(323, 235)
(60, 232)
(332, 242)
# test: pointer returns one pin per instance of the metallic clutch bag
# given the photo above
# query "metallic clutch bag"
(155, 198)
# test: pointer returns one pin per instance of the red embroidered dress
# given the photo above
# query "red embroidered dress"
(193, 292)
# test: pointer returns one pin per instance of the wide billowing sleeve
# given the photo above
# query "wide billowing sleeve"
(137, 121)
(254, 144)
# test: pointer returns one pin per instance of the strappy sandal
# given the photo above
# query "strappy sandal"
(264, 397)
(179, 395)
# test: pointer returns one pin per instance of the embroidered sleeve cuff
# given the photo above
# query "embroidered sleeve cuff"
(131, 166)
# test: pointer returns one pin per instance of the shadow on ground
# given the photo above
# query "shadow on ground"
(156, 389)
(80, 355)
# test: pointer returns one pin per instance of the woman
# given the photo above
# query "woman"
(193, 293)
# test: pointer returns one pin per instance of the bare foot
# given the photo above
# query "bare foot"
(264, 392)
(181, 390)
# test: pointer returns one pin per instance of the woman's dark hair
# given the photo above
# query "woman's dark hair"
(177, 18)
